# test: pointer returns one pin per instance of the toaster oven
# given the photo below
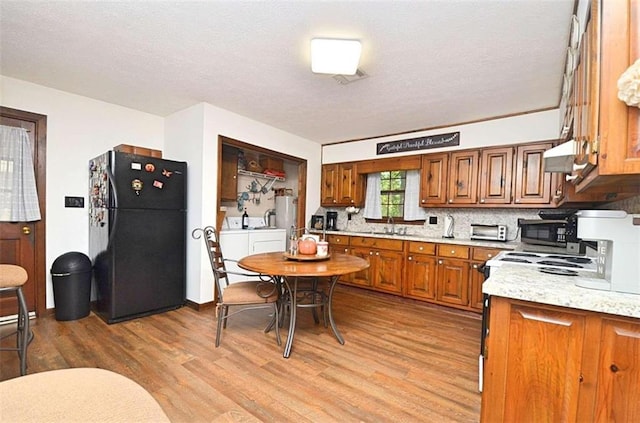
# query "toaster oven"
(489, 232)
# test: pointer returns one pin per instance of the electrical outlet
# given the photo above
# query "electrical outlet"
(74, 202)
(433, 220)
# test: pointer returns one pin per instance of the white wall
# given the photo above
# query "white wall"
(201, 151)
(184, 136)
(78, 129)
(512, 130)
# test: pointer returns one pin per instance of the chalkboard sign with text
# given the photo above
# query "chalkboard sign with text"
(421, 143)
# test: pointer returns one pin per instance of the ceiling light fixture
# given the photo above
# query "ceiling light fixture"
(335, 57)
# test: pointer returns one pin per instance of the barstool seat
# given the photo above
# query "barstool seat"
(12, 278)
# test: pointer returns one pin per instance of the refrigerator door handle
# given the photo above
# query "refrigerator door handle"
(112, 182)
(114, 209)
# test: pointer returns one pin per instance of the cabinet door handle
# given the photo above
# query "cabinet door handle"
(614, 368)
(370, 253)
(482, 200)
(420, 248)
(439, 261)
(475, 266)
(453, 251)
(489, 255)
(423, 201)
(377, 253)
(410, 258)
(450, 200)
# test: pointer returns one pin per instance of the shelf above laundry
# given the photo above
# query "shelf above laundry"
(261, 175)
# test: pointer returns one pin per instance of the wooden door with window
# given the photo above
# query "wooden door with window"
(23, 243)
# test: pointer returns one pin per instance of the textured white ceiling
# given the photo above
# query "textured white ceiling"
(430, 63)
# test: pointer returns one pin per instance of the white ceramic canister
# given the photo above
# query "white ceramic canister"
(323, 249)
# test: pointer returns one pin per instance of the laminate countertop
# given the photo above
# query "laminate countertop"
(529, 284)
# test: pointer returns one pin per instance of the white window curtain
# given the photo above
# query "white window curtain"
(412, 209)
(18, 195)
(372, 202)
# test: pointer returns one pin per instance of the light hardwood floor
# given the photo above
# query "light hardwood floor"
(403, 361)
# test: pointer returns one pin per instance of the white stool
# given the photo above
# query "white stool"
(12, 278)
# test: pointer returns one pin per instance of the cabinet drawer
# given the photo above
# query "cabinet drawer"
(382, 243)
(422, 248)
(483, 254)
(450, 250)
(338, 239)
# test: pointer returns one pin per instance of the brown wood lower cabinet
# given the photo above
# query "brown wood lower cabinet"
(452, 274)
(476, 279)
(452, 282)
(445, 274)
(385, 257)
(420, 279)
(364, 277)
(552, 364)
(340, 244)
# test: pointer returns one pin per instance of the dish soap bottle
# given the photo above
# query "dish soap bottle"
(245, 219)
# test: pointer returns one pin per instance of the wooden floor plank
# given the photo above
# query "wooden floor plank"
(403, 361)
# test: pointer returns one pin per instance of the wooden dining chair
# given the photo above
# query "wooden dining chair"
(260, 292)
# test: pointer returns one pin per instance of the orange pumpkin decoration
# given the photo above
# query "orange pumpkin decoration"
(307, 246)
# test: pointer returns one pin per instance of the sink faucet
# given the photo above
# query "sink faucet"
(392, 223)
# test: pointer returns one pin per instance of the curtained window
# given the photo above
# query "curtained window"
(18, 194)
(372, 203)
(394, 194)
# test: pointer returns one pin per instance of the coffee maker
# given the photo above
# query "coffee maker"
(332, 220)
(618, 239)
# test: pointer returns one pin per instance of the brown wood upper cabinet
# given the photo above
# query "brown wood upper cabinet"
(433, 179)
(449, 178)
(533, 184)
(463, 177)
(606, 130)
(503, 176)
(496, 168)
(229, 173)
(341, 185)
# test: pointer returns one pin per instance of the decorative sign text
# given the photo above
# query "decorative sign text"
(422, 143)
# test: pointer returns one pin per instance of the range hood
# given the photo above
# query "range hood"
(560, 158)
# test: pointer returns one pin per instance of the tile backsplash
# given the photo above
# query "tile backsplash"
(463, 218)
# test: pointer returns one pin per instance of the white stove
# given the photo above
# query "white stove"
(558, 264)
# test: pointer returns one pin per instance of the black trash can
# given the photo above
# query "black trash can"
(71, 274)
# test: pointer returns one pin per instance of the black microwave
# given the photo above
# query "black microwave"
(555, 233)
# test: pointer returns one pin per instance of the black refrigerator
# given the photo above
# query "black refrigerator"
(137, 234)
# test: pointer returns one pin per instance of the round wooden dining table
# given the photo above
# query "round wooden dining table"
(287, 269)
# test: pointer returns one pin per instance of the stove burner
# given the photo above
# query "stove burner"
(522, 254)
(571, 259)
(515, 259)
(562, 272)
(558, 263)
